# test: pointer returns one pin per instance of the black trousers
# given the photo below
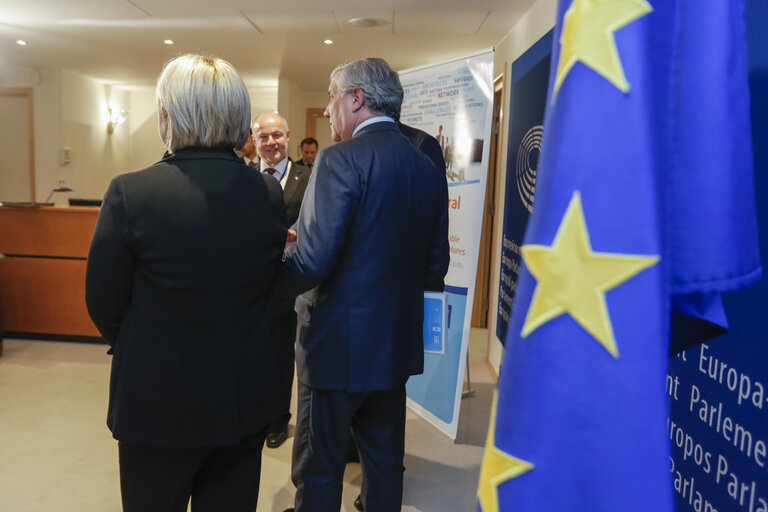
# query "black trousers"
(217, 479)
(324, 419)
(284, 332)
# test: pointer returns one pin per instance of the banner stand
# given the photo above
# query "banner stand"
(453, 101)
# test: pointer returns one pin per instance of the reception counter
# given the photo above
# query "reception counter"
(42, 277)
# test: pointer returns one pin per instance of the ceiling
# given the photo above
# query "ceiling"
(121, 41)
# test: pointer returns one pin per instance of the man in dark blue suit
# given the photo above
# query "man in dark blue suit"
(372, 235)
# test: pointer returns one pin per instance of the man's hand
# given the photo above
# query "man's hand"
(290, 238)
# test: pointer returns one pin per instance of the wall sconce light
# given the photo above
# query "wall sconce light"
(115, 118)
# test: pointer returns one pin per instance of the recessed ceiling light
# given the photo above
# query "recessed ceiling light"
(328, 41)
(21, 43)
(168, 41)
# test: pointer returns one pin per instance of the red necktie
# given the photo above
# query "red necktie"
(270, 170)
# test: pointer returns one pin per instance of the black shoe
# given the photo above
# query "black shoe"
(359, 503)
(275, 439)
(288, 510)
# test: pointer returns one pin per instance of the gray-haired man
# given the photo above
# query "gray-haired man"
(372, 236)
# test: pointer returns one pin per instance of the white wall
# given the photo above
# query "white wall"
(70, 111)
(293, 103)
(539, 19)
(96, 156)
(315, 99)
(47, 132)
(263, 100)
(15, 146)
(145, 145)
(46, 112)
(290, 104)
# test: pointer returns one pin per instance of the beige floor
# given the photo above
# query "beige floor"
(56, 453)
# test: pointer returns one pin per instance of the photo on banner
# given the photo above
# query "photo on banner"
(453, 101)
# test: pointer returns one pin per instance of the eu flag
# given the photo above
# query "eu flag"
(643, 214)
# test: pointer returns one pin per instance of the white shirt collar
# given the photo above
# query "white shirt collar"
(280, 168)
(371, 120)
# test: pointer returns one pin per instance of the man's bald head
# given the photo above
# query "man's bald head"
(272, 136)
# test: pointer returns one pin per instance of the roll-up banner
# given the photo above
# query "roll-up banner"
(453, 101)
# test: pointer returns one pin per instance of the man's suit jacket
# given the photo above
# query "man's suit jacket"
(296, 180)
(253, 163)
(178, 279)
(425, 143)
(302, 162)
(373, 233)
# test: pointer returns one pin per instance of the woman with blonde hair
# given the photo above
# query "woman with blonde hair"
(178, 279)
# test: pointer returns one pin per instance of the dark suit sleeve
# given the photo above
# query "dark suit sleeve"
(109, 271)
(331, 199)
(439, 256)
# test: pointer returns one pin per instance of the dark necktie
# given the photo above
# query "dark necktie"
(270, 170)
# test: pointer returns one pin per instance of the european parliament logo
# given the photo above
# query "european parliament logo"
(527, 161)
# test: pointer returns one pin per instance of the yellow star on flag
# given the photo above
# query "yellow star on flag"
(498, 467)
(588, 37)
(573, 279)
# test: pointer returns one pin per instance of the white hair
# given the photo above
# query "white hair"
(202, 102)
(380, 85)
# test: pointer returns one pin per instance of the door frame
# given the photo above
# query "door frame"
(500, 169)
(481, 307)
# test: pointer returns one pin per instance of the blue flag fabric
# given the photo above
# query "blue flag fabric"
(644, 211)
(712, 229)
